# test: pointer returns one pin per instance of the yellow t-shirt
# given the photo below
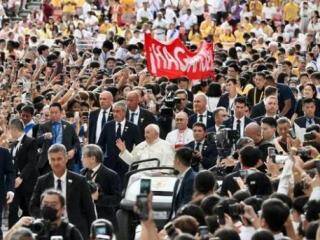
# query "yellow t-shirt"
(207, 28)
(291, 11)
(128, 6)
(56, 3)
(247, 26)
(256, 8)
(69, 6)
(227, 38)
(239, 36)
(195, 38)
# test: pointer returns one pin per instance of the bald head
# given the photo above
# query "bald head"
(253, 131)
(151, 133)
(105, 100)
(133, 98)
(181, 120)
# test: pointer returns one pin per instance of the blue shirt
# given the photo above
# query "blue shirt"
(56, 132)
(285, 93)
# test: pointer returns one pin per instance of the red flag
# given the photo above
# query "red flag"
(175, 60)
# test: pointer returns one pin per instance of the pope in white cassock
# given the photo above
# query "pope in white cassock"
(152, 147)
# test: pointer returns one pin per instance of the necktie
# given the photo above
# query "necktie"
(103, 122)
(89, 174)
(132, 117)
(118, 133)
(239, 126)
(201, 118)
(198, 146)
(56, 131)
(59, 185)
(310, 121)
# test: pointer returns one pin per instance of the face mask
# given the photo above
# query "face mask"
(49, 213)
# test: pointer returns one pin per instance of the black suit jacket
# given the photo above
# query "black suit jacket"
(69, 139)
(80, 208)
(25, 163)
(193, 120)
(302, 121)
(109, 193)
(145, 118)
(258, 110)
(7, 176)
(229, 122)
(184, 195)
(107, 142)
(209, 153)
(92, 126)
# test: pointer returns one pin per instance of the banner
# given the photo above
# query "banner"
(176, 60)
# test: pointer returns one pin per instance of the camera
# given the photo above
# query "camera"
(309, 136)
(93, 187)
(272, 154)
(169, 103)
(303, 152)
(41, 228)
(225, 138)
(204, 233)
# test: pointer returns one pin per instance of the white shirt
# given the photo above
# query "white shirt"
(172, 34)
(176, 137)
(30, 132)
(170, 15)
(235, 123)
(142, 13)
(188, 21)
(99, 121)
(159, 29)
(123, 123)
(94, 170)
(63, 179)
(15, 149)
(197, 7)
(136, 115)
(174, 3)
(204, 118)
(246, 232)
(216, 6)
(159, 149)
(121, 53)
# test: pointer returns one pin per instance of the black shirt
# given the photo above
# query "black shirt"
(67, 231)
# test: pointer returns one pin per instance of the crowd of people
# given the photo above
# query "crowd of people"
(78, 107)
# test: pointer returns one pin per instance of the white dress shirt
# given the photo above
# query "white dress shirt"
(159, 149)
(177, 137)
(99, 121)
(204, 118)
(123, 123)
(63, 179)
(136, 115)
(235, 123)
(15, 149)
(188, 21)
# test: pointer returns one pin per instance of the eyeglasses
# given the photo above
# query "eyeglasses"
(179, 119)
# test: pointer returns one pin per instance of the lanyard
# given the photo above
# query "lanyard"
(255, 97)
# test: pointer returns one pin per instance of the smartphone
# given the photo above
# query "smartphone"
(272, 154)
(145, 186)
(142, 206)
(56, 238)
(204, 233)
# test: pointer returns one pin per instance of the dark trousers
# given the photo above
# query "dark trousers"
(21, 200)
(1, 208)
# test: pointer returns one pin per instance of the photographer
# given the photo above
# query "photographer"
(103, 182)
(205, 152)
(249, 157)
(51, 223)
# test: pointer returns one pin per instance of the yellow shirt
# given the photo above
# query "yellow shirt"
(195, 38)
(239, 36)
(290, 11)
(128, 6)
(80, 3)
(227, 38)
(105, 27)
(207, 28)
(217, 33)
(267, 30)
(247, 26)
(256, 8)
(56, 3)
(293, 59)
(69, 6)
